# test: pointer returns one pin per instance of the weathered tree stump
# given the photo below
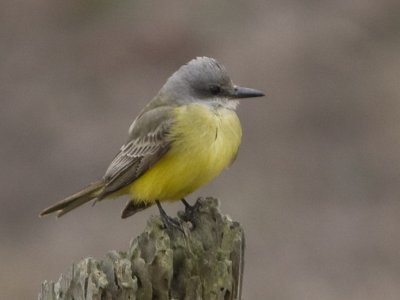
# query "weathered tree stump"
(203, 260)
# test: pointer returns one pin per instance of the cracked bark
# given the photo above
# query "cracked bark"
(205, 261)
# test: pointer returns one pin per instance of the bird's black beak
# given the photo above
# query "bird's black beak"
(244, 92)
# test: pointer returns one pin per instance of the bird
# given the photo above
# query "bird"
(182, 139)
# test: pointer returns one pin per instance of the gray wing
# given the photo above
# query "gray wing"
(148, 142)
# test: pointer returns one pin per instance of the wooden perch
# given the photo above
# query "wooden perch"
(205, 261)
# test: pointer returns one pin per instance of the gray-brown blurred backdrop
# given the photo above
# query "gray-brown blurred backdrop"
(316, 184)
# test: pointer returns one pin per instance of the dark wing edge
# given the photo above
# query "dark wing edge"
(148, 142)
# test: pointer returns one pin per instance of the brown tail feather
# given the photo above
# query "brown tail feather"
(132, 208)
(88, 193)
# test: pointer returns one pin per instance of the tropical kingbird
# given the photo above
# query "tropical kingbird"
(181, 140)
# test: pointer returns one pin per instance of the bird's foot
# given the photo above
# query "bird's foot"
(169, 222)
(190, 211)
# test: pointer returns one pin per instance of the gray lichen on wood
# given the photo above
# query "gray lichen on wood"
(203, 260)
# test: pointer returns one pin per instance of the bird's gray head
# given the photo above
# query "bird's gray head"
(204, 79)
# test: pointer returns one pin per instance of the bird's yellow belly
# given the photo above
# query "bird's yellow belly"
(204, 142)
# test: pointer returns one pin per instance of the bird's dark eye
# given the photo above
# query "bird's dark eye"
(215, 89)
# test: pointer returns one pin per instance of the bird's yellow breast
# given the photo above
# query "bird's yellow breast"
(205, 140)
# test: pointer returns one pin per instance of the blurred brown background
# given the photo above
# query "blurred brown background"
(316, 184)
